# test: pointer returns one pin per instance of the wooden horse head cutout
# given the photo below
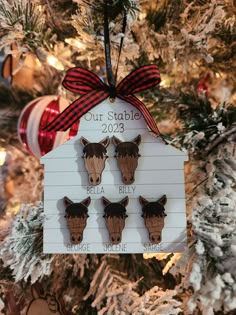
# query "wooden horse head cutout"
(154, 215)
(20, 68)
(127, 154)
(46, 305)
(76, 217)
(94, 159)
(115, 215)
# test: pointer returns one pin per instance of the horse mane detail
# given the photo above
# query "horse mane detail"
(154, 215)
(94, 158)
(94, 149)
(127, 154)
(115, 215)
(76, 217)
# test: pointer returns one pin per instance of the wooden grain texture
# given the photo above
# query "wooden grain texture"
(160, 171)
(127, 155)
(115, 215)
(94, 155)
(20, 69)
(76, 218)
(43, 305)
(154, 217)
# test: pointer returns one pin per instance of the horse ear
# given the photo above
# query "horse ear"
(35, 292)
(84, 141)
(143, 201)
(162, 200)
(105, 142)
(105, 201)
(116, 141)
(7, 67)
(124, 202)
(86, 202)
(67, 201)
(10, 63)
(137, 140)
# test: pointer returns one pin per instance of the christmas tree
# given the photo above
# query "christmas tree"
(193, 45)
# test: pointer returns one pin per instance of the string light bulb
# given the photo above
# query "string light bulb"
(75, 42)
(54, 62)
(2, 156)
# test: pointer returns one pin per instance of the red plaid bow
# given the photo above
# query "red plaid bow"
(93, 91)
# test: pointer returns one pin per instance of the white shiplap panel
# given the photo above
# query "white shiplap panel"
(113, 191)
(131, 235)
(160, 171)
(75, 164)
(146, 177)
(134, 220)
(75, 149)
(57, 207)
(107, 248)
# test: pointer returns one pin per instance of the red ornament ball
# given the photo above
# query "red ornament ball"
(36, 115)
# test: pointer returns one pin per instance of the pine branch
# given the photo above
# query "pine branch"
(115, 7)
(113, 292)
(22, 249)
(206, 267)
(206, 127)
(21, 23)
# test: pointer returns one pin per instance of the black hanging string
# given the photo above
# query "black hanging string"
(110, 78)
(121, 43)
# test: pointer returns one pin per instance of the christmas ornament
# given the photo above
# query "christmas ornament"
(127, 154)
(161, 167)
(93, 91)
(154, 215)
(113, 110)
(76, 217)
(37, 114)
(94, 158)
(115, 215)
(20, 69)
(203, 85)
(43, 304)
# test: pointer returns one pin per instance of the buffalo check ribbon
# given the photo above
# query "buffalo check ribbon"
(93, 91)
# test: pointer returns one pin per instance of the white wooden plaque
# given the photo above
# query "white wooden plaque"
(160, 171)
